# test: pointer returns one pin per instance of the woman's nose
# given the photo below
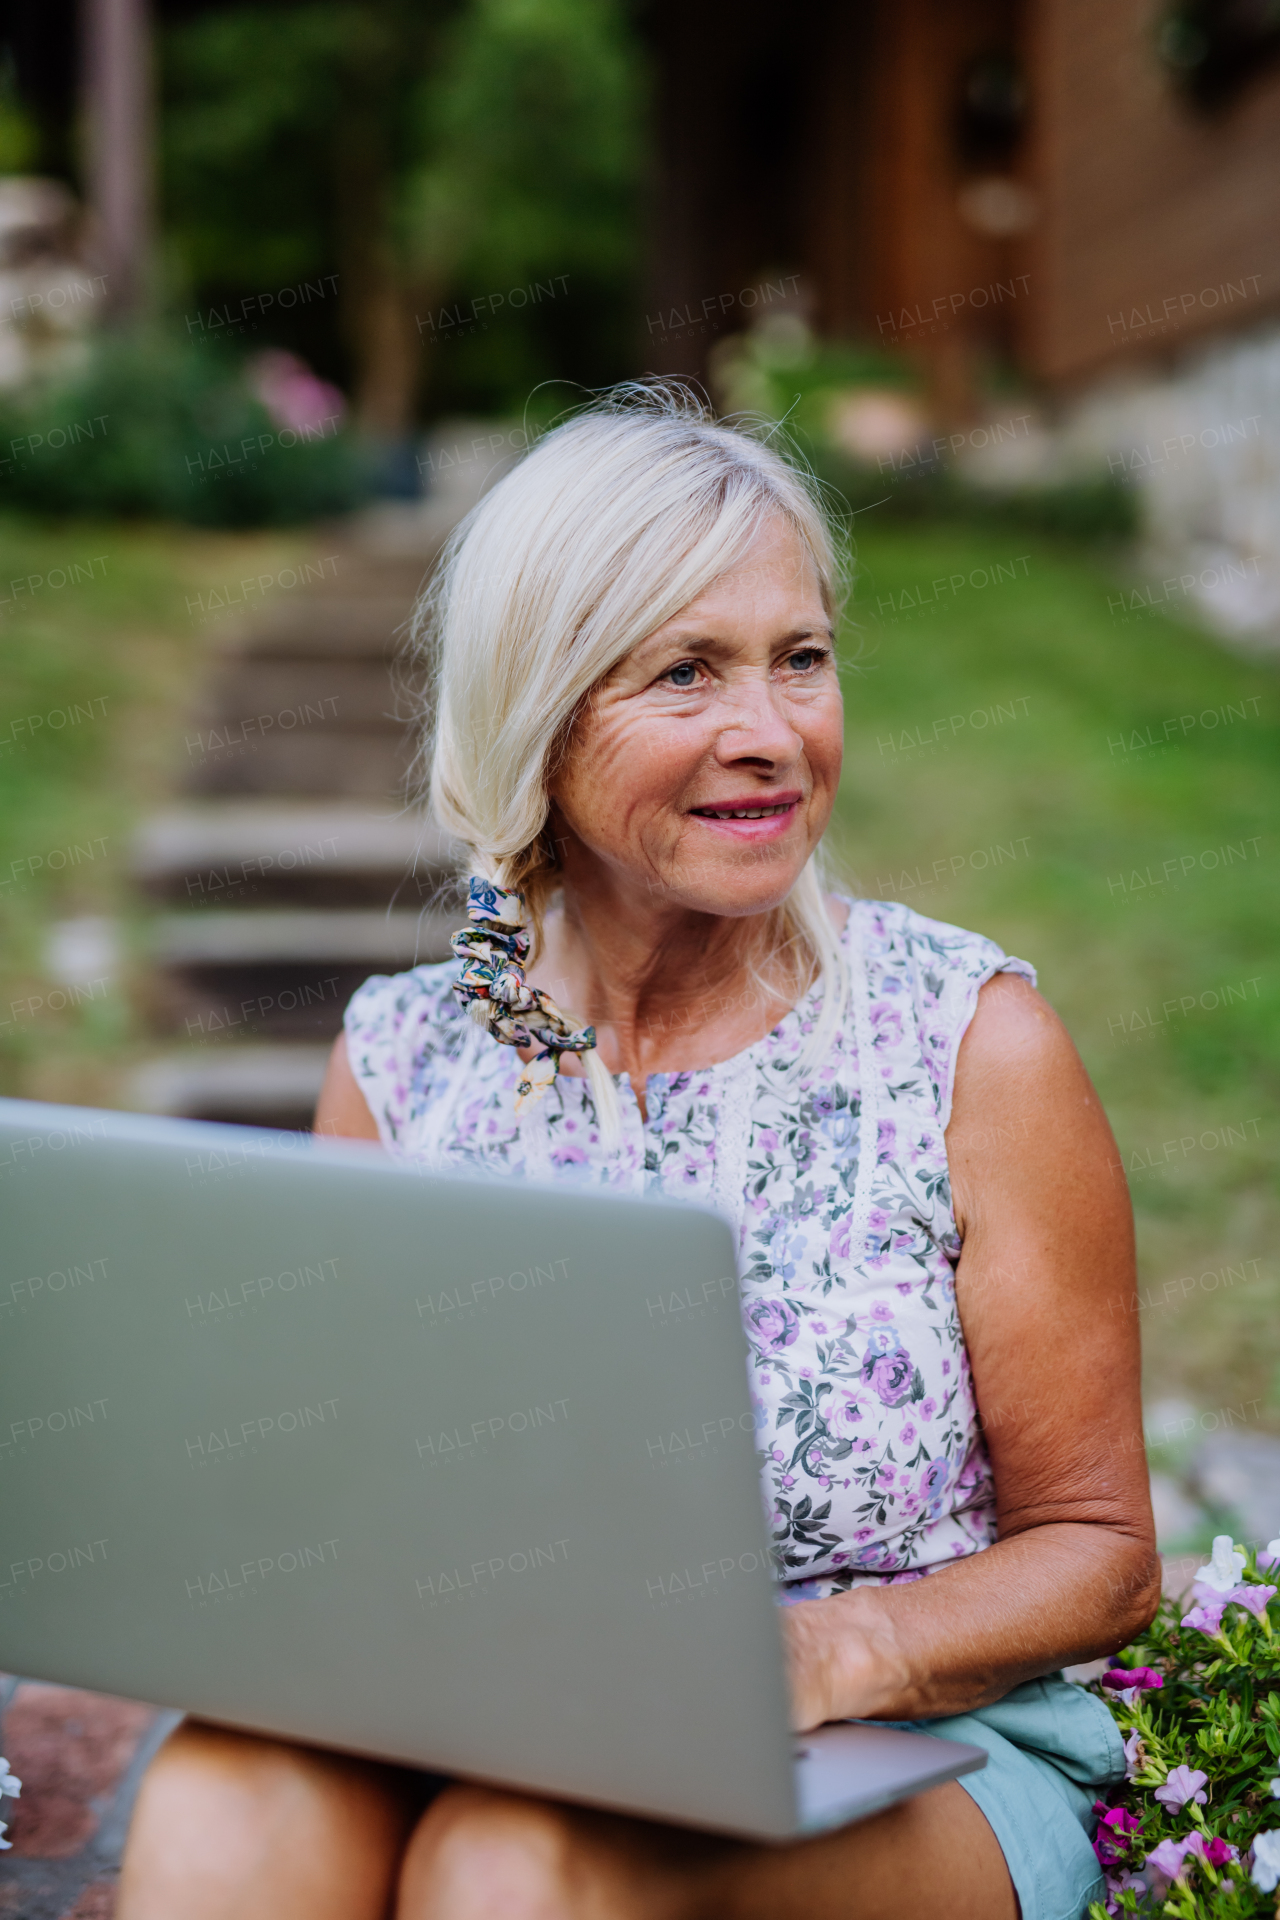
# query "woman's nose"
(755, 727)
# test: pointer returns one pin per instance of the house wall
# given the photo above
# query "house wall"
(890, 256)
(822, 142)
(1161, 223)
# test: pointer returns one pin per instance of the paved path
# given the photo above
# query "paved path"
(79, 1756)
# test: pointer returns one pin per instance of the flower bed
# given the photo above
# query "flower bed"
(1194, 1830)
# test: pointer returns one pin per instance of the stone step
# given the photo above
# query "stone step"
(267, 971)
(347, 762)
(331, 626)
(288, 934)
(262, 699)
(248, 1085)
(240, 852)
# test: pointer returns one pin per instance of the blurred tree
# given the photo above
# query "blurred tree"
(19, 135)
(118, 116)
(536, 116)
(284, 131)
(421, 148)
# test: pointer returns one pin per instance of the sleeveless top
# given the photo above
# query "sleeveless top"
(873, 1463)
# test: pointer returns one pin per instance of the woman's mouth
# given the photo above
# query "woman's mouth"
(756, 820)
(744, 813)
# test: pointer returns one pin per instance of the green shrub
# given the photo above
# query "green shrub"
(1097, 508)
(158, 428)
(1195, 1830)
(782, 372)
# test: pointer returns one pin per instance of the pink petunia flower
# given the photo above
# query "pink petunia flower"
(1131, 1677)
(1205, 1618)
(1254, 1598)
(1169, 1858)
(1183, 1784)
(1115, 1826)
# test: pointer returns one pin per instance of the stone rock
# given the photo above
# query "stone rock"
(1178, 1518)
(1241, 1473)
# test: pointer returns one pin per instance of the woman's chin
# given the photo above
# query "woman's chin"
(733, 895)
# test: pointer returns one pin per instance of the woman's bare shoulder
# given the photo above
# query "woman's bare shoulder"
(1026, 1121)
(342, 1111)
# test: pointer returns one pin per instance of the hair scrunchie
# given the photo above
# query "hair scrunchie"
(493, 989)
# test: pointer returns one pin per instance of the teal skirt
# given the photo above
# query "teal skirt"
(1052, 1750)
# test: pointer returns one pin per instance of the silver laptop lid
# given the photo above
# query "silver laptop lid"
(451, 1472)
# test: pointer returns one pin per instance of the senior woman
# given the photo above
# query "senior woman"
(637, 736)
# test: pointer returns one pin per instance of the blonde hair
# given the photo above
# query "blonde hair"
(601, 533)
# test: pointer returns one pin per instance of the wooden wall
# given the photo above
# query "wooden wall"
(822, 141)
(1147, 199)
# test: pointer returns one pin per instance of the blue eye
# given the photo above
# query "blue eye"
(803, 660)
(677, 675)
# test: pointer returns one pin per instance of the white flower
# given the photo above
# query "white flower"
(1273, 1787)
(4, 1828)
(1270, 1554)
(1224, 1568)
(1266, 1860)
(9, 1782)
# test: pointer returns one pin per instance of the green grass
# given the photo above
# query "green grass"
(1071, 814)
(1051, 830)
(100, 662)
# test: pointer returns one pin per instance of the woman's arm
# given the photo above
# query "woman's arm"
(1046, 1294)
(342, 1109)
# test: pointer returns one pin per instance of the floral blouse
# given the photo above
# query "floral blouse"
(874, 1467)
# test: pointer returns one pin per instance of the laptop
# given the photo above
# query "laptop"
(453, 1472)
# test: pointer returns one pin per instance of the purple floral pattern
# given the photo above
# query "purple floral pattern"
(872, 1459)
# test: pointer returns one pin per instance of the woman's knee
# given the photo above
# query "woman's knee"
(478, 1851)
(247, 1820)
(236, 1782)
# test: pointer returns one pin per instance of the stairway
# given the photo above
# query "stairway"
(290, 866)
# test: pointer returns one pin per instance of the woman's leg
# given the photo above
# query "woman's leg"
(477, 1852)
(231, 1827)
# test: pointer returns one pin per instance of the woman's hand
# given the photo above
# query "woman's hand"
(842, 1659)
